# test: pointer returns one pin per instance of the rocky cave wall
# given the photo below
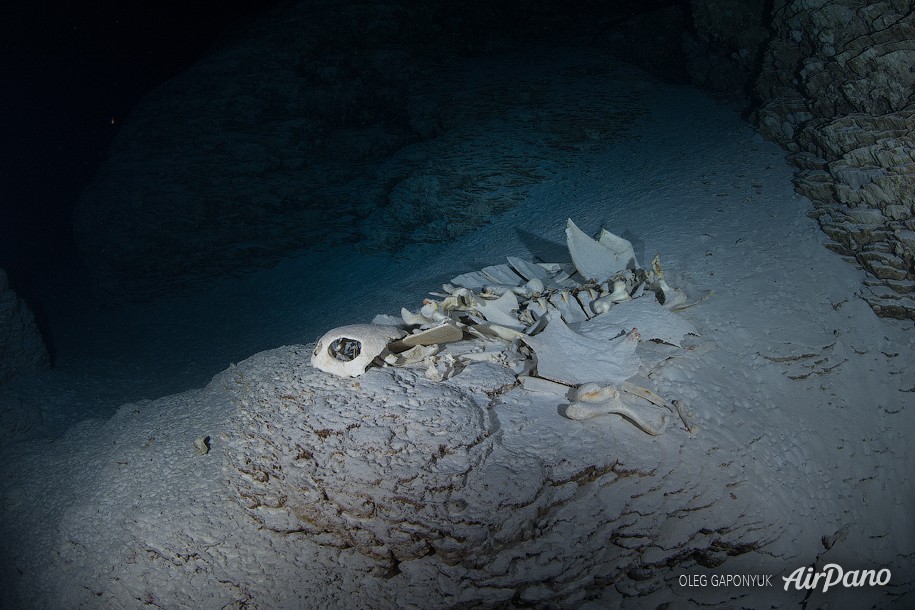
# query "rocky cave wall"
(22, 349)
(833, 81)
(837, 89)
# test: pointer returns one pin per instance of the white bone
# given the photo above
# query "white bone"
(595, 260)
(414, 355)
(442, 368)
(568, 306)
(347, 351)
(567, 357)
(620, 292)
(672, 297)
(591, 400)
(544, 386)
(586, 297)
(499, 311)
(413, 319)
(621, 247)
(527, 270)
(503, 275)
(437, 335)
(533, 288)
(655, 322)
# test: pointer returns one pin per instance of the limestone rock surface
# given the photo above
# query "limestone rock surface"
(471, 480)
(22, 350)
(837, 88)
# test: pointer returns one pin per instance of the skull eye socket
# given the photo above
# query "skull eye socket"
(345, 349)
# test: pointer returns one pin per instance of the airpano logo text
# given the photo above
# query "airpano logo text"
(832, 575)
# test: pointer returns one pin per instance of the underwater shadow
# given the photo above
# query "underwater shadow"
(543, 250)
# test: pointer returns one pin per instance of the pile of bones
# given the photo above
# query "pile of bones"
(571, 330)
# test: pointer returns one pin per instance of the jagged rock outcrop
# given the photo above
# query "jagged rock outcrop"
(22, 349)
(838, 89)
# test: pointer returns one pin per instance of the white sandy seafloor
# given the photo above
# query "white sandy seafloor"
(802, 398)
